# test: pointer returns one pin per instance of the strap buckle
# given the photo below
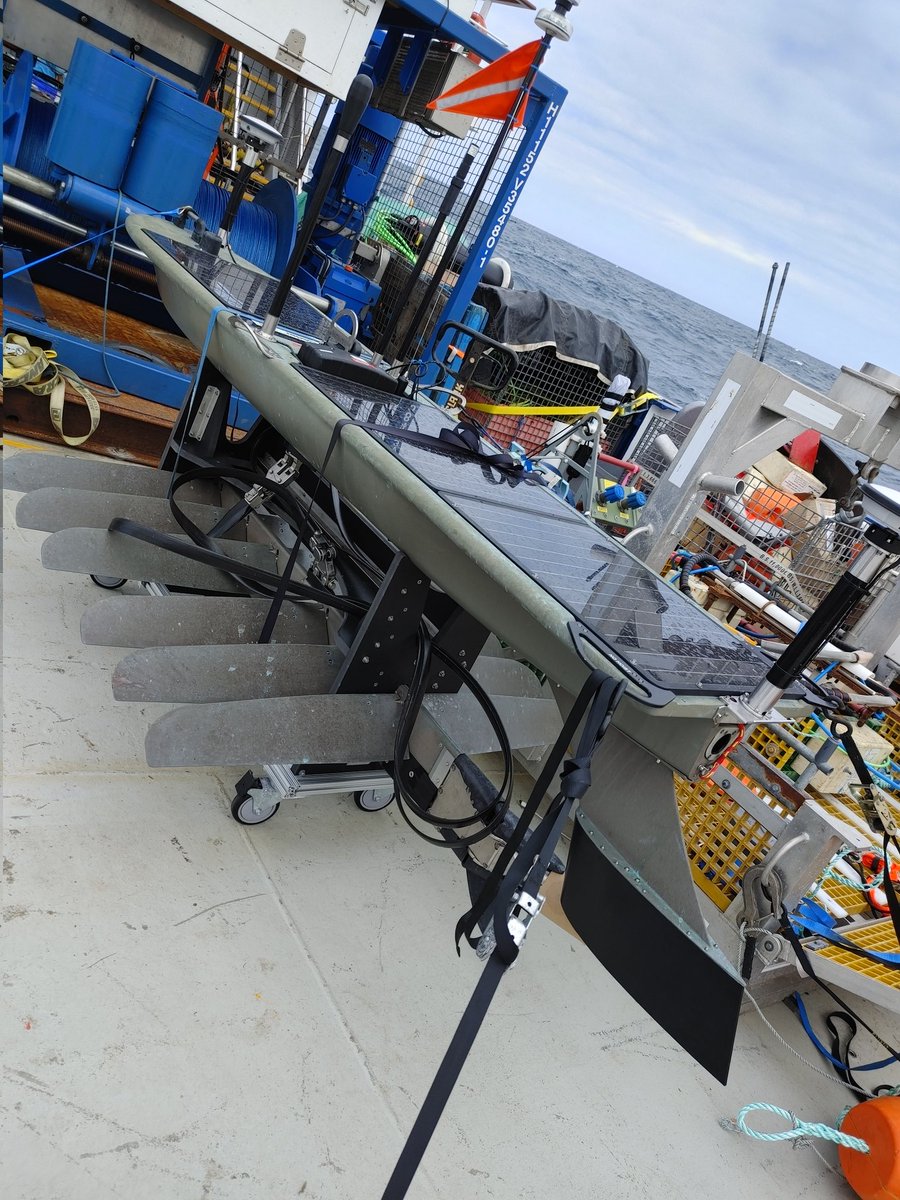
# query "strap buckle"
(525, 908)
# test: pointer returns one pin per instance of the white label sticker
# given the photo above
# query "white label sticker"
(707, 426)
(813, 410)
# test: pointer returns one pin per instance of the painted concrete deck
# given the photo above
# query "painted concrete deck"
(197, 1011)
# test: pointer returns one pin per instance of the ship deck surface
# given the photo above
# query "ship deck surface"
(200, 1011)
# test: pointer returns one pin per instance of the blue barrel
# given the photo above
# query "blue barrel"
(102, 101)
(172, 149)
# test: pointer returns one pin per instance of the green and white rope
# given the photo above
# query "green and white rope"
(799, 1129)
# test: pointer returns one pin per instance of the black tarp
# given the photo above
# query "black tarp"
(530, 320)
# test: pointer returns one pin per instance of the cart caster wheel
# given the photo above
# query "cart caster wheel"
(108, 581)
(246, 812)
(372, 799)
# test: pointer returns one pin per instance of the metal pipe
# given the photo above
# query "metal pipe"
(722, 485)
(778, 855)
(630, 468)
(13, 177)
(795, 744)
(762, 316)
(666, 447)
(16, 204)
(81, 254)
(784, 275)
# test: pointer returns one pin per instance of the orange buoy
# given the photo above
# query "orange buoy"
(876, 1175)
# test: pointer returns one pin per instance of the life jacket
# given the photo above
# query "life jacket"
(873, 866)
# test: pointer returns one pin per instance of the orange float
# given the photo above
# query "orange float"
(876, 1175)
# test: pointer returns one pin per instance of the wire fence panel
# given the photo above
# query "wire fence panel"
(419, 172)
(787, 546)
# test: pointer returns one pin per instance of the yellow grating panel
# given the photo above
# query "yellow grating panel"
(721, 839)
(850, 899)
(766, 742)
(879, 936)
(890, 728)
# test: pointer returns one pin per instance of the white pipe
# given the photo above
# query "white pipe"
(722, 485)
(666, 447)
(832, 655)
(636, 532)
(833, 907)
(238, 81)
(783, 618)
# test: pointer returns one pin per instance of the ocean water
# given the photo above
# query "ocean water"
(687, 345)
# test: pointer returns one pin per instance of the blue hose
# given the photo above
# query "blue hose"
(823, 727)
(884, 779)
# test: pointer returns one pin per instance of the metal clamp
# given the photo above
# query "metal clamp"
(875, 808)
(525, 909)
(280, 472)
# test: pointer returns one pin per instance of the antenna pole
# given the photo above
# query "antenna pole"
(762, 315)
(784, 275)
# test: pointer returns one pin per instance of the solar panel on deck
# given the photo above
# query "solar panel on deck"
(665, 639)
(243, 289)
(661, 633)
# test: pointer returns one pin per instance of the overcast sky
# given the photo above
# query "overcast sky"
(703, 140)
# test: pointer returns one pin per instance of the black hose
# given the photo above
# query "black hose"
(691, 563)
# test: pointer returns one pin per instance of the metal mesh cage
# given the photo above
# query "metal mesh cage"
(794, 548)
(418, 173)
(800, 546)
(542, 378)
(644, 451)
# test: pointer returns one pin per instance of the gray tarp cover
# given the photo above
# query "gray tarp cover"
(530, 320)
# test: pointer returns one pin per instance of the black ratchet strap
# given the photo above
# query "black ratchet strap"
(842, 731)
(598, 698)
(575, 778)
(462, 442)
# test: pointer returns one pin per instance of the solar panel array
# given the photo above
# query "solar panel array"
(245, 290)
(664, 637)
(660, 635)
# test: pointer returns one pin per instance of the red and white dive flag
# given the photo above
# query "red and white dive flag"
(491, 91)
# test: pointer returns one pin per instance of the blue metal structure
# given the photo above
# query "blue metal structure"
(91, 163)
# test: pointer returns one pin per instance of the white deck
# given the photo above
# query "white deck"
(197, 1011)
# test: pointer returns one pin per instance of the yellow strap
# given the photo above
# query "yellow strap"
(533, 410)
(32, 368)
(626, 410)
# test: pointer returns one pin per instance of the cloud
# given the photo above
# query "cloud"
(702, 141)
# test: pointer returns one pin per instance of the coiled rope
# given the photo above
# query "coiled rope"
(255, 230)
